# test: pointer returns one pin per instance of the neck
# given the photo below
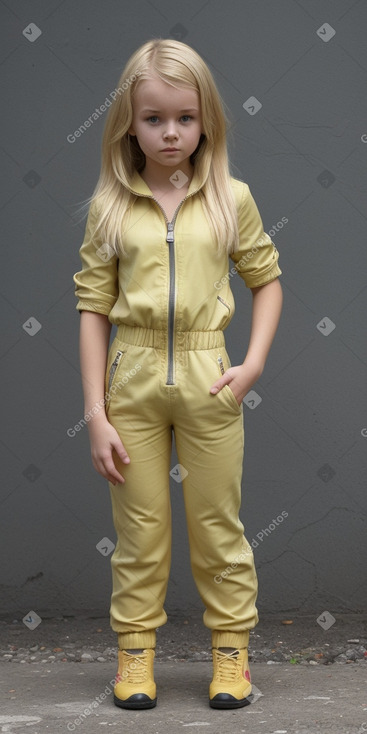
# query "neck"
(158, 177)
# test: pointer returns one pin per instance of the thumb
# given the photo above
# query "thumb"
(219, 384)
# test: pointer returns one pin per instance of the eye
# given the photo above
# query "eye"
(152, 117)
(188, 116)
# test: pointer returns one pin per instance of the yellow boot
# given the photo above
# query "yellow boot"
(231, 682)
(135, 687)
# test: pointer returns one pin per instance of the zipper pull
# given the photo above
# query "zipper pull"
(117, 358)
(221, 366)
(170, 236)
(114, 366)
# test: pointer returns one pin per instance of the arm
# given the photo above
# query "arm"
(266, 309)
(95, 330)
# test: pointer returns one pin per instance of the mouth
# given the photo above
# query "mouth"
(169, 150)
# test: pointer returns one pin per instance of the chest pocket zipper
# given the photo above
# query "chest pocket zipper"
(114, 366)
(219, 298)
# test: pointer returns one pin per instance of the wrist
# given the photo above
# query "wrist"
(95, 414)
(254, 367)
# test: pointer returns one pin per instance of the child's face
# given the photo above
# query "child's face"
(166, 117)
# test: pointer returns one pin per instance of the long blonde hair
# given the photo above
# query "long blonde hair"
(178, 64)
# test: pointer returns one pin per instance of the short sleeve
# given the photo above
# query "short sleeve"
(256, 260)
(96, 284)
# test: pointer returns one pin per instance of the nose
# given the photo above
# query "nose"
(170, 132)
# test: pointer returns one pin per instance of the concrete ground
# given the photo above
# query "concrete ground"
(287, 699)
(308, 677)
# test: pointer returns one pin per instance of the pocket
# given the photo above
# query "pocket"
(113, 369)
(232, 396)
(223, 313)
(224, 363)
(225, 304)
(115, 358)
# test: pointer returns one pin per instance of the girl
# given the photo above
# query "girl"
(163, 219)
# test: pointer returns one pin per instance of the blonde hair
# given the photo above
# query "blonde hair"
(179, 65)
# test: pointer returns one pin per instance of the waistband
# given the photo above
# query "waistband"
(159, 338)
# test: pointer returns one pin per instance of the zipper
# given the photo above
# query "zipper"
(114, 366)
(170, 239)
(221, 365)
(171, 300)
(224, 303)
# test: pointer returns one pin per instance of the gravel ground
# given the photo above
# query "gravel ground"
(276, 639)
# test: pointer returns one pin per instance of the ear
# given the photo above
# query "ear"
(131, 130)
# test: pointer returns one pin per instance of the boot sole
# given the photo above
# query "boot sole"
(146, 703)
(234, 704)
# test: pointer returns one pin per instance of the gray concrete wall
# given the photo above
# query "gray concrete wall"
(304, 156)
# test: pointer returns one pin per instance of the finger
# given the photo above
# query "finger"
(111, 472)
(219, 384)
(121, 451)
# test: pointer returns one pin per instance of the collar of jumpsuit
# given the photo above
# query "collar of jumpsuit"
(138, 185)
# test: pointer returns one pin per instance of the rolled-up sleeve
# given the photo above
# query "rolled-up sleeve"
(96, 284)
(256, 260)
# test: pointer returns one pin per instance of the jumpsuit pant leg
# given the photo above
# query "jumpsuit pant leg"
(209, 438)
(141, 507)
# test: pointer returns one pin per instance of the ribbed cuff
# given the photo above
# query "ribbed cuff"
(134, 640)
(230, 639)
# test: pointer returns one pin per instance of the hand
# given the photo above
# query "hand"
(103, 440)
(240, 379)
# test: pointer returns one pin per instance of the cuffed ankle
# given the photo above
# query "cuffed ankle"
(133, 640)
(230, 639)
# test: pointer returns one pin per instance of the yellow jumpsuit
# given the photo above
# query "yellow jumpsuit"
(171, 300)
